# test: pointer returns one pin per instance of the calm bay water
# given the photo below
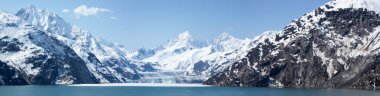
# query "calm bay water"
(174, 91)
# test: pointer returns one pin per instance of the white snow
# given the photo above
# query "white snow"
(183, 53)
(65, 80)
(81, 41)
(372, 5)
(17, 59)
(276, 84)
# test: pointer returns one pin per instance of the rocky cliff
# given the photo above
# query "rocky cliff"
(336, 45)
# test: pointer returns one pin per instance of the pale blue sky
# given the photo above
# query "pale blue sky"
(149, 23)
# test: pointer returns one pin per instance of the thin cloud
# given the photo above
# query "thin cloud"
(83, 10)
(66, 10)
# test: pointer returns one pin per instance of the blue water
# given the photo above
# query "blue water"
(175, 91)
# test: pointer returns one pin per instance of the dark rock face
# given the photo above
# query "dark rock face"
(110, 77)
(9, 76)
(54, 66)
(144, 53)
(147, 67)
(200, 67)
(115, 63)
(9, 45)
(337, 49)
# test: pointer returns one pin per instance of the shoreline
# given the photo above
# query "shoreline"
(144, 85)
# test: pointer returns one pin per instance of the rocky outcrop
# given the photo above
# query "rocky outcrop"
(60, 64)
(9, 76)
(329, 47)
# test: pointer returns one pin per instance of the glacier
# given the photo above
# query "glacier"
(187, 60)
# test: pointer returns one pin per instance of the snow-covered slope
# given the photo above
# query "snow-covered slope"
(106, 61)
(184, 47)
(31, 56)
(336, 45)
(187, 60)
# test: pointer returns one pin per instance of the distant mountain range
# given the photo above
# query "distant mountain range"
(186, 60)
(335, 45)
(39, 47)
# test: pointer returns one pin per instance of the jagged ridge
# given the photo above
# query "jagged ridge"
(333, 46)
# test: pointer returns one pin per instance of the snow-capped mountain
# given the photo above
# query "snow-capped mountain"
(166, 53)
(188, 60)
(183, 59)
(105, 61)
(336, 45)
(226, 42)
(31, 56)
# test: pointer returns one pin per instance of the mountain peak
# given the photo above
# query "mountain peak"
(30, 6)
(45, 20)
(224, 36)
(184, 39)
(225, 42)
(184, 36)
(31, 12)
(30, 9)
